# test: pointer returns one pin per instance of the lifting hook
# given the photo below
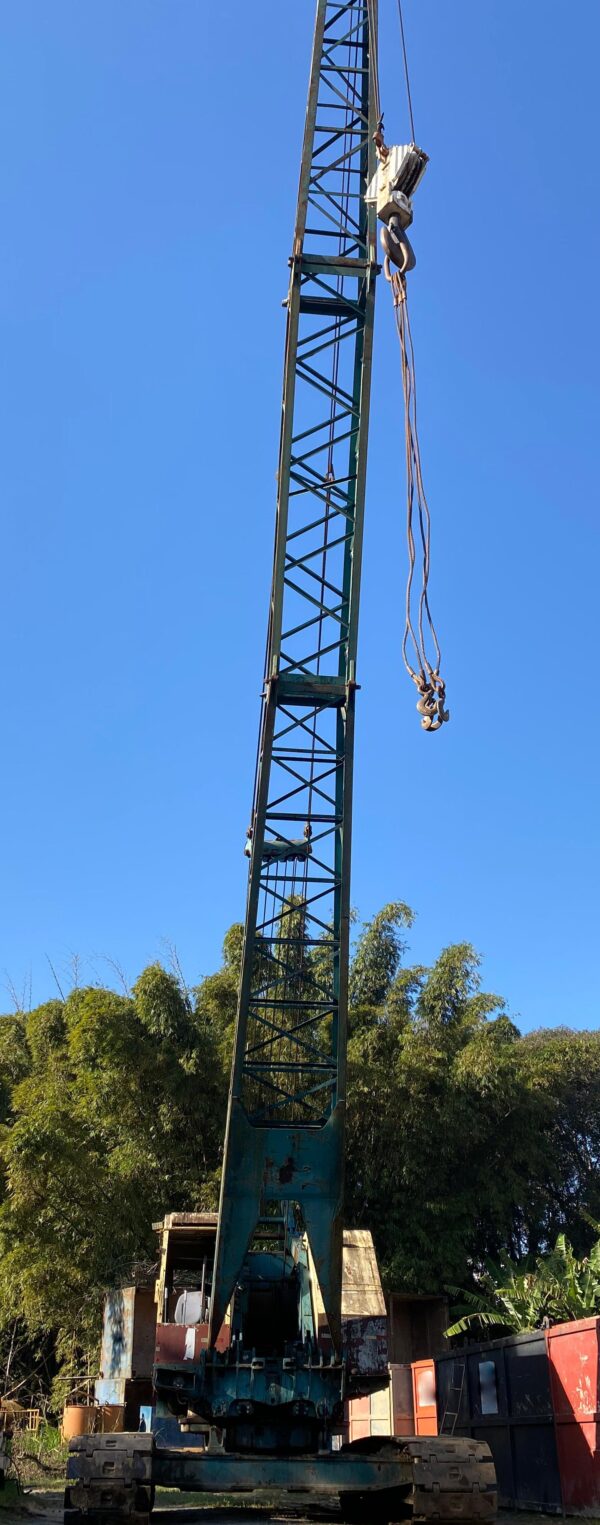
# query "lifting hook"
(397, 246)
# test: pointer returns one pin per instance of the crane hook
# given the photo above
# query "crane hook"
(397, 245)
(431, 705)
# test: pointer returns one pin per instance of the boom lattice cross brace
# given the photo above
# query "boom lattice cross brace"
(285, 1123)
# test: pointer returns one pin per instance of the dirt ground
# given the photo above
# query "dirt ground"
(39, 1507)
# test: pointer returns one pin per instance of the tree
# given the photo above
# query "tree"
(377, 955)
(119, 1120)
(14, 1061)
(562, 1069)
(467, 1143)
(430, 1077)
(465, 1139)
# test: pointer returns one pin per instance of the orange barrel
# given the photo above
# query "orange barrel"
(111, 1417)
(78, 1419)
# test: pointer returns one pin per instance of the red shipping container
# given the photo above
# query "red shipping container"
(573, 1351)
(425, 1406)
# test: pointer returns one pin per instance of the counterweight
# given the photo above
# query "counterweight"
(285, 1124)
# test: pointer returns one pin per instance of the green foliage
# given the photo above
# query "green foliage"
(15, 1060)
(377, 955)
(559, 1287)
(465, 1140)
(118, 1120)
(38, 1459)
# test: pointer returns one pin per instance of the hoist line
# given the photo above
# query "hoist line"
(426, 675)
(416, 476)
(406, 74)
(423, 505)
(423, 663)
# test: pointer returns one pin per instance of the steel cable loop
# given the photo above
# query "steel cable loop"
(431, 704)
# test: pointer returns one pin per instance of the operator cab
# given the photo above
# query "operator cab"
(184, 1285)
(273, 1305)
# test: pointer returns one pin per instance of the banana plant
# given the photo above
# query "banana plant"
(556, 1289)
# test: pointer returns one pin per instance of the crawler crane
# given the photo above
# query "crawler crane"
(266, 1368)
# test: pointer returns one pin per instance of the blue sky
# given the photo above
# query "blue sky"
(149, 157)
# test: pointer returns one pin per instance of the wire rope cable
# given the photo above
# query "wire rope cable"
(406, 73)
(420, 646)
(420, 636)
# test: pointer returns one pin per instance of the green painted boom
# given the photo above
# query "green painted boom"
(285, 1128)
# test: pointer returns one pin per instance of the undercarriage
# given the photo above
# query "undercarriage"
(113, 1478)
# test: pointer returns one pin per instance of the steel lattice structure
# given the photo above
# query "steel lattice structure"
(286, 1112)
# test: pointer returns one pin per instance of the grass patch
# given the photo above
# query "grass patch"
(38, 1460)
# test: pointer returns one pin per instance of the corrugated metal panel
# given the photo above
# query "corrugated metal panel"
(573, 1353)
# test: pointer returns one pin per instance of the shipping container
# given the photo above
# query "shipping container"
(499, 1391)
(416, 1325)
(127, 1353)
(573, 1354)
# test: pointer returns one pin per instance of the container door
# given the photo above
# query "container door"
(424, 1397)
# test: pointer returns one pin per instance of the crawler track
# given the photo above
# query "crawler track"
(109, 1479)
(453, 1479)
(111, 1482)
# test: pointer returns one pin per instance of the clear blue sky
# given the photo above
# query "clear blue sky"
(149, 154)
